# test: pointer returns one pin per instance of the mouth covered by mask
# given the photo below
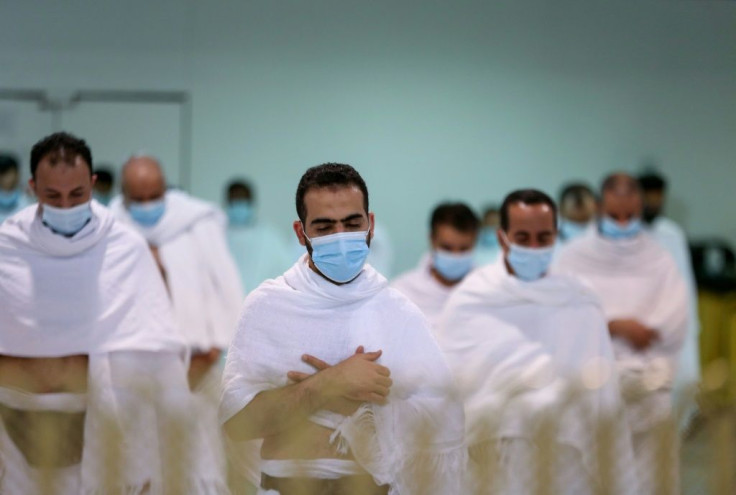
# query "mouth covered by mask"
(66, 221)
(452, 266)
(240, 212)
(529, 264)
(570, 230)
(340, 257)
(147, 213)
(9, 199)
(611, 229)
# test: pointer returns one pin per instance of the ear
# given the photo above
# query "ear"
(372, 219)
(32, 186)
(502, 241)
(298, 230)
(94, 179)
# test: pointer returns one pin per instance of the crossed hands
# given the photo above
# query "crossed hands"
(638, 335)
(350, 382)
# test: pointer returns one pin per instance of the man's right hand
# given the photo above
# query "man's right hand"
(638, 335)
(356, 379)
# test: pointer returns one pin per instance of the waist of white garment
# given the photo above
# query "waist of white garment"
(27, 401)
(325, 468)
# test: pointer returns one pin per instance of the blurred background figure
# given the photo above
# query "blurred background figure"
(258, 249)
(381, 256)
(646, 303)
(104, 188)
(12, 198)
(671, 237)
(452, 239)
(487, 249)
(577, 210)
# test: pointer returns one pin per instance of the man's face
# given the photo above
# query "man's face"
(579, 213)
(653, 204)
(531, 226)
(331, 210)
(447, 238)
(491, 219)
(103, 188)
(622, 205)
(9, 180)
(142, 182)
(62, 185)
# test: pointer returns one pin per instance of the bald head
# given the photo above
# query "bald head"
(143, 180)
(621, 197)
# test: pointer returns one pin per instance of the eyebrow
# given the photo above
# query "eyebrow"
(330, 221)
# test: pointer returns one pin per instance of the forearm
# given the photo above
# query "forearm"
(273, 411)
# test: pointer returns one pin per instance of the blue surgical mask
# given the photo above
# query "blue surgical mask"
(569, 230)
(613, 230)
(340, 257)
(66, 221)
(149, 213)
(488, 237)
(240, 212)
(9, 199)
(452, 266)
(529, 264)
(102, 198)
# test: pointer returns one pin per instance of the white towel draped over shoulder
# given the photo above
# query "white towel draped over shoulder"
(300, 313)
(202, 276)
(522, 352)
(424, 290)
(98, 293)
(636, 279)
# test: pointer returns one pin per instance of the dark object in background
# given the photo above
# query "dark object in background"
(714, 264)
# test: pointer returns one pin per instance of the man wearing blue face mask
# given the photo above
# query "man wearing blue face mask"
(453, 236)
(12, 198)
(89, 353)
(488, 249)
(518, 341)
(578, 208)
(259, 250)
(645, 300)
(336, 372)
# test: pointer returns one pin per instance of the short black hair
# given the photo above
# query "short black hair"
(576, 192)
(8, 163)
(652, 181)
(457, 215)
(57, 142)
(528, 197)
(105, 175)
(328, 175)
(240, 185)
(616, 179)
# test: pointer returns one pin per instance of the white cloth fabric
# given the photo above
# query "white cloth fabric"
(98, 293)
(636, 279)
(202, 276)
(259, 251)
(300, 313)
(671, 237)
(325, 469)
(424, 290)
(525, 352)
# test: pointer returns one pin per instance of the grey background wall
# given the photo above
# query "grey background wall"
(429, 100)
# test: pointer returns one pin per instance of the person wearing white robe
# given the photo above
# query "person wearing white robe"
(317, 352)
(671, 237)
(88, 348)
(12, 198)
(645, 301)
(452, 239)
(257, 247)
(526, 347)
(187, 237)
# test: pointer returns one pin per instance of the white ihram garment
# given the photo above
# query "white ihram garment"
(424, 290)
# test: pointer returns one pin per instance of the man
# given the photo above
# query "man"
(93, 390)
(12, 198)
(578, 207)
(187, 238)
(104, 185)
(453, 234)
(487, 249)
(671, 237)
(520, 344)
(337, 373)
(257, 247)
(645, 301)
